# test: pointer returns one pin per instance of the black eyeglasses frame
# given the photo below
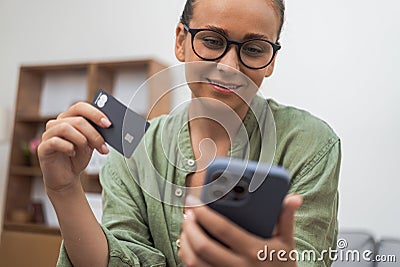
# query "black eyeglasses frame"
(275, 46)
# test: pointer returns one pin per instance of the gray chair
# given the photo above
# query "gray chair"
(350, 248)
(388, 253)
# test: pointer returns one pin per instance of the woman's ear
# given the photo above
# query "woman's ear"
(180, 42)
(270, 68)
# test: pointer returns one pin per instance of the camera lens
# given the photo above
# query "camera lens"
(238, 189)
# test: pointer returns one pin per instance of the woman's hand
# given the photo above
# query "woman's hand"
(243, 248)
(68, 143)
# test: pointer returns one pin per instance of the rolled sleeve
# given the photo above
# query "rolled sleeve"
(316, 220)
(124, 222)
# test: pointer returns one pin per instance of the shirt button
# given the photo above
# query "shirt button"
(190, 162)
(178, 243)
(178, 192)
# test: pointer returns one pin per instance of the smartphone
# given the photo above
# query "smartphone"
(127, 128)
(226, 190)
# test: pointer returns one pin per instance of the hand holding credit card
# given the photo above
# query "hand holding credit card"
(127, 128)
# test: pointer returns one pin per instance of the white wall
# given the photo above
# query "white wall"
(338, 60)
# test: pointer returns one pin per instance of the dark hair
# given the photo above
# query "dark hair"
(279, 6)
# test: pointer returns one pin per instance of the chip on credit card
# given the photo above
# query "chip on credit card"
(127, 128)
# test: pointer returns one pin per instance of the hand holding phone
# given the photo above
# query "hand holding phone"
(227, 192)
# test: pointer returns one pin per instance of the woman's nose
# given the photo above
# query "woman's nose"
(230, 60)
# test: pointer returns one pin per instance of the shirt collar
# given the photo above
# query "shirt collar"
(240, 148)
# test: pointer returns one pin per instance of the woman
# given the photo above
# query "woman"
(140, 230)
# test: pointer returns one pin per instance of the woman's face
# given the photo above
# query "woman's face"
(239, 20)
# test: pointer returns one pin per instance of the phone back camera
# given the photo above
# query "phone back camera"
(228, 187)
(239, 191)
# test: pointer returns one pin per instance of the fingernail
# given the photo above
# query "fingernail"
(105, 122)
(72, 154)
(104, 149)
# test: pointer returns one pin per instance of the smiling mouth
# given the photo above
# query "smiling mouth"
(225, 86)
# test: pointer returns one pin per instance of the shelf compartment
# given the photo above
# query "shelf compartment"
(25, 171)
(31, 228)
(31, 118)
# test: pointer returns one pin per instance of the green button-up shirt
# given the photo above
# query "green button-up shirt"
(141, 230)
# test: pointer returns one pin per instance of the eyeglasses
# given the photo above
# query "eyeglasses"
(210, 45)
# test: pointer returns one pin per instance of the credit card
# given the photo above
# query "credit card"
(127, 127)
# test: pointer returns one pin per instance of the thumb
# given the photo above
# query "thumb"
(285, 227)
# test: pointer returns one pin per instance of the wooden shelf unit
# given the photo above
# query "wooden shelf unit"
(29, 122)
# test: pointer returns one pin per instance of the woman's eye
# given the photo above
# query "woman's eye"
(253, 50)
(212, 42)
